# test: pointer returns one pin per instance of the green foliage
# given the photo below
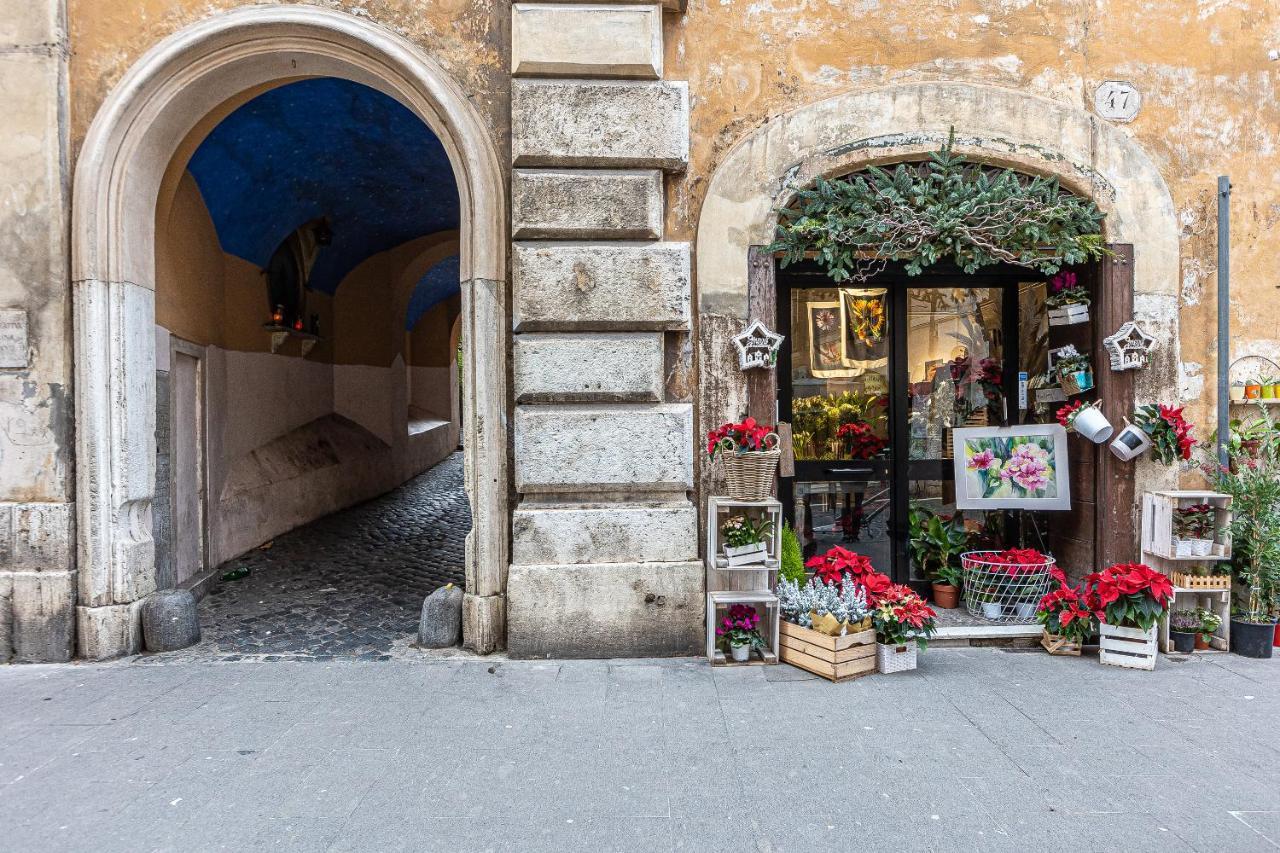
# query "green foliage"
(1253, 482)
(944, 208)
(741, 530)
(817, 420)
(936, 544)
(792, 568)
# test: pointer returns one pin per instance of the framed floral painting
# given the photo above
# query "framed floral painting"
(1020, 467)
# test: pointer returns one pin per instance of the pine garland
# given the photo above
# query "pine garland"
(922, 213)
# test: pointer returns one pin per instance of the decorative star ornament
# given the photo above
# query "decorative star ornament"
(1130, 347)
(757, 346)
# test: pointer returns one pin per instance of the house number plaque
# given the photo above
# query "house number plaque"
(1117, 100)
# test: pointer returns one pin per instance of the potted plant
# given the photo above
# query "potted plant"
(1067, 615)
(750, 455)
(1132, 597)
(1210, 622)
(1169, 431)
(825, 628)
(1184, 627)
(792, 556)
(1237, 391)
(746, 540)
(740, 631)
(1007, 585)
(1193, 530)
(903, 624)
(1075, 373)
(837, 562)
(1253, 388)
(1087, 420)
(1270, 387)
(936, 543)
(1068, 300)
(1131, 442)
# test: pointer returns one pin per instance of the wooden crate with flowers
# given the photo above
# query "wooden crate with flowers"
(1187, 526)
(826, 626)
(1132, 598)
(1068, 300)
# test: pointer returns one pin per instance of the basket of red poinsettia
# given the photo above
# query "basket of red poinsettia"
(837, 562)
(903, 624)
(1005, 586)
(1068, 614)
(1129, 599)
(749, 452)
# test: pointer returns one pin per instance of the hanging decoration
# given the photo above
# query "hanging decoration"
(1130, 347)
(757, 346)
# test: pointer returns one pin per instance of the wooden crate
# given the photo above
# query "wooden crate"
(1057, 645)
(833, 658)
(1158, 510)
(1184, 580)
(1128, 647)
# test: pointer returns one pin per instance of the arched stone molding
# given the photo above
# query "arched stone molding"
(145, 121)
(992, 125)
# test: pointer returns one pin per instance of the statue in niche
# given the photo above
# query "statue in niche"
(289, 270)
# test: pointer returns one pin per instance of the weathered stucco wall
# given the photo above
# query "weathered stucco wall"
(1211, 106)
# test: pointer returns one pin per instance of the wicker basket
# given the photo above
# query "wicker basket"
(1071, 386)
(749, 476)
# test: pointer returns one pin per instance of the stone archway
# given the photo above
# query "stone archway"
(129, 146)
(992, 125)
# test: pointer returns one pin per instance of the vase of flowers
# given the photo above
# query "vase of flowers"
(1169, 431)
(1210, 622)
(746, 541)
(749, 452)
(1068, 300)
(904, 624)
(1067, 614)
(1132, 598)
(739, 629)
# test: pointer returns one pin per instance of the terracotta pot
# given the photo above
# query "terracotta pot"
(1201, 645)
(946, 596)
(1252, 391)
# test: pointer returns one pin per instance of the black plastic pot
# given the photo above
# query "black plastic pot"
(1183, 641)
(1252, 639)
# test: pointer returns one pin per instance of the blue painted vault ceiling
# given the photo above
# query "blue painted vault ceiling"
(436, 285)
(325, 147)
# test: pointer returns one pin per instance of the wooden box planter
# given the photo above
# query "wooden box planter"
(1069, 315)
(1058, 645)
(833, 658)
(1158, 512)
(1185, 580)
(1132, 648)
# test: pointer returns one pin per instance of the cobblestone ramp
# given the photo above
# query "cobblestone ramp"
(347, 585)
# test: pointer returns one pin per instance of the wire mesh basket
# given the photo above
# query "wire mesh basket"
(1007, 594)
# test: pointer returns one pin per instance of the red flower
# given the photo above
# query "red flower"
(1065, 413)
(747, 436)
(837, 562)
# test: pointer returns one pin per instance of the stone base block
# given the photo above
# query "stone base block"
(546, 534)
(586, 204)
(42, 626)
(112, 631)
(483, 619)
(582, 367)
(605, 610)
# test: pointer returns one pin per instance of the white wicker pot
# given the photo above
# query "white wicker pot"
(1093, 425)
(891, 659)
(740, 654)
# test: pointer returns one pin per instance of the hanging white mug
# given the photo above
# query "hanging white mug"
(1131, 443)
(1093, 425)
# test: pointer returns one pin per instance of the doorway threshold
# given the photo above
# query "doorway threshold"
(957, 628)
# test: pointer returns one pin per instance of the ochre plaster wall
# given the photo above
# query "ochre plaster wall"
(1210, 107)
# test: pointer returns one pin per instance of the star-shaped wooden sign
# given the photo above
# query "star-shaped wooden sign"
(757, 346)
(1130, 347)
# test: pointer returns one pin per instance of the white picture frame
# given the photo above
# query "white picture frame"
(985, 480)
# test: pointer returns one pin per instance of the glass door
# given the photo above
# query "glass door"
(873, 379)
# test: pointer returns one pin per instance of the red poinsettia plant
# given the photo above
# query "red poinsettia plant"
(833, 566)
(745, 437)
(901, 616)
(1067, 414)
(1068, 611)
(1169, 430)
(1130, 594)
(860, 440)
(1012, 561)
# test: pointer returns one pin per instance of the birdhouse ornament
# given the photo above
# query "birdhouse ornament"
(1130, 347)
(757, 346)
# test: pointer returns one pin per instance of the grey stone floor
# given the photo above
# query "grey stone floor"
(348, 585)
(980, 749)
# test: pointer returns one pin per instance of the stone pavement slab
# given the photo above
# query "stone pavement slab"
(980, 749)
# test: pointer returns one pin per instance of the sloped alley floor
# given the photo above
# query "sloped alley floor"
(348, 585)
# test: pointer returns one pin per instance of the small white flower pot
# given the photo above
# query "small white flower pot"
(1093, 425)
(746, 555)
(1237, 393)
(1184, 548)
(992, 610)
(1025, 610)
(1131, 443)
(890, 659)
(1202, 547)
(740, 654)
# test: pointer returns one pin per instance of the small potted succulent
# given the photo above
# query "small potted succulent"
(1237, 391)
(746, 541)
(1087, 420)
(1210, 622)
(1184, 626)
(1068, 300)
(903, 623)
(740, 631)
(1253, 388)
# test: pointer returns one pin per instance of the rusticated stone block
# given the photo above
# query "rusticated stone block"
(586, 204)
(600, 286)
(600, 124)
(604, 533)
(619, 448)
(605, 611)
(571, 367)
(588, 40)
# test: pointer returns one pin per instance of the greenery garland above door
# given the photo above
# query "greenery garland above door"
(922, 213)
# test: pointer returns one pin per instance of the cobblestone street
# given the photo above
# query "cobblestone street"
(350, 584)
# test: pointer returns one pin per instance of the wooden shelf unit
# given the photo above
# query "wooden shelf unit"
(750, 584)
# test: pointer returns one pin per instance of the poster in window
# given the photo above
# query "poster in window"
(826, 359)
(864, 316)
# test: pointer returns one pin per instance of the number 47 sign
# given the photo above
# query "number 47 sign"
(1117, 100)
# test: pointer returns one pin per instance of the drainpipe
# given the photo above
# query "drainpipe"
(1224, 314)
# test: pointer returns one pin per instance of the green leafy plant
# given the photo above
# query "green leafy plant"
(922, 213)
(936, 543)
(1210, 622)
(792, 567)
(740, 530)
(1253, 482)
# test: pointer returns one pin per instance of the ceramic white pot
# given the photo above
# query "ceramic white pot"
(1131, 443)
(1202, 547)
(1237, 393)
(1025, 610)
(740, 654)
(1184, 548)
(1093, 425)
(992, 610)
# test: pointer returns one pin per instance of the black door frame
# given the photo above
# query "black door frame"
(899, 468)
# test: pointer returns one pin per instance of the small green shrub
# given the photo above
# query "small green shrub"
(792, 568)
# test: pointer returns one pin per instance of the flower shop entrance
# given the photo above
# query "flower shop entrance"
(880, 372)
